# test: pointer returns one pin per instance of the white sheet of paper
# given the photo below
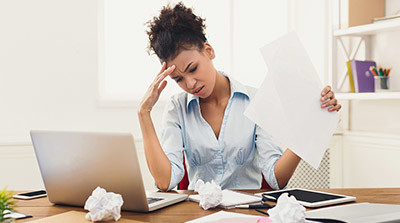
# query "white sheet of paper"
(224, 216)
(359, 213)
(288, 106)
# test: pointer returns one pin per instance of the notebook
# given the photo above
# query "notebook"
(73, 164)
(362, 76)
(231, 198)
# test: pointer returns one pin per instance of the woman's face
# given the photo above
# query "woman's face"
(194, 71)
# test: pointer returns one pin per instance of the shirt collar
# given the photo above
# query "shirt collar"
(236, 87)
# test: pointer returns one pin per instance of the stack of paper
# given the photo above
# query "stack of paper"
(288, 106)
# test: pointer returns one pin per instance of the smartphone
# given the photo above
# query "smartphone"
(31, 195)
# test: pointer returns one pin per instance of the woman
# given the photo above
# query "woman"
(206, 120)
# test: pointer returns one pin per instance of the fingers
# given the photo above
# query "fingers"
(155, 87)
(154, 90)
(160, 77)
(163, 75)
(326, 90)
(162, 86)
(328, 99)
(332, 105)
(163, 67)
(335, 108)
(328, 95)
(331, 102)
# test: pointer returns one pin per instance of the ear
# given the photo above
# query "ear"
(208, 51)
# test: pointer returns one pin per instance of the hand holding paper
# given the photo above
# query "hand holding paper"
(287, 105)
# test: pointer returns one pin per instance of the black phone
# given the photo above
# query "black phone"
(31, 195)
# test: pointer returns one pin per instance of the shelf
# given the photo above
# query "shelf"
(368, 96)
(370, 29)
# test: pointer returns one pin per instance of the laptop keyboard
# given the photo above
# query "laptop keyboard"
(153, 199)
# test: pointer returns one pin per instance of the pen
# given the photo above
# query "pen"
(255, 206)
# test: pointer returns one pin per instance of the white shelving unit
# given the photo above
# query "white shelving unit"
(366, 118)
(363, 34)
(368, 96)
(370, 29)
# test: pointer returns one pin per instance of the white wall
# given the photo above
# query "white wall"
(49, 69)
(49, 80)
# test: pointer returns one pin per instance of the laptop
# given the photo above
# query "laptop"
(73, 164)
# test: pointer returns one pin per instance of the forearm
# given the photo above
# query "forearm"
(285, 167)
(158, 163)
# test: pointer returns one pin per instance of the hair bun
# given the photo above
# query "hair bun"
(175, 29)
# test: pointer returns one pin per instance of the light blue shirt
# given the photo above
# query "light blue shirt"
(234, 160)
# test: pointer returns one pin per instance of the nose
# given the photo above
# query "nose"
(190, 82)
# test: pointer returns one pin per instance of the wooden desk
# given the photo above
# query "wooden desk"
(187, 210)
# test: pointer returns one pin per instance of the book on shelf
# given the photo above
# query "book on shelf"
(350, 75)
(363, 79)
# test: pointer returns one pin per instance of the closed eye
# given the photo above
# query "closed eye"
(193, 69)
(178, 79)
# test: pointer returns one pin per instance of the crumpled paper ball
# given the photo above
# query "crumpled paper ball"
(103, 206)
(287, 210)
(210, 194)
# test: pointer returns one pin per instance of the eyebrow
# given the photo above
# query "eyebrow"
(187, 67)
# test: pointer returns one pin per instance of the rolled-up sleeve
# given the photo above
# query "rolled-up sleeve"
(268, 153)
(172, 142)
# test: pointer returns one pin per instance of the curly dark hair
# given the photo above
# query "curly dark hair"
(174, 30)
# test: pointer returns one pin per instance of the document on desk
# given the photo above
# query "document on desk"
(359, 213)
(232, 217)
(225, 217)
(288, 106)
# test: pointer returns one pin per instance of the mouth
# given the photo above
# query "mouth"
(198, 90)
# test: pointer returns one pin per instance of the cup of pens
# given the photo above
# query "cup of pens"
(381, 78)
